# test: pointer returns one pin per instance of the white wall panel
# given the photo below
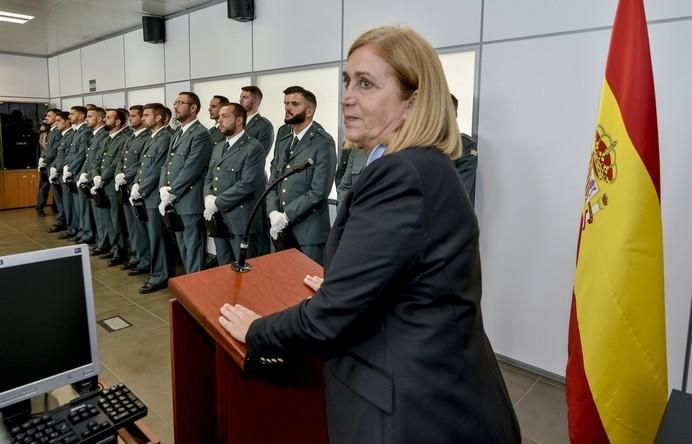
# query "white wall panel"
(95, 99)
(69, 102)
(509, 18)
(22, 76)
(177, 49)
(147, 95)
(672, 61)
(143, 61)
(70, 73)
(441, 22)
(323, 82)
(275, 35)
(55, 103)
(538, 107)
(218, 46)
(114, 100)
(105, 62)
(208, 89)
(54, 76)
(460, 69)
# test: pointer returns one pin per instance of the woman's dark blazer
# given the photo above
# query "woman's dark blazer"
(398, 315)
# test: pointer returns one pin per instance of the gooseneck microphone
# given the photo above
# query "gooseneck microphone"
(240, 265)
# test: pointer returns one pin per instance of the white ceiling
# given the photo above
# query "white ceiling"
(63, 24)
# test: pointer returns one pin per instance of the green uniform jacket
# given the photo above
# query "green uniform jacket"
(237, 178)
(303, 196)
(152, 158)
(78, 149)
(185, 168)
(215, 135)
(128, 163)
(105, 166)
(63, 148)
(52, 142)
(93, 150)
(356, 162)
(262, 130)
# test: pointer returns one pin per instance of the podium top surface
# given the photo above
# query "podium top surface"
(274, 283)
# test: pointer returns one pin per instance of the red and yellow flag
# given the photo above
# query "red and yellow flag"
(616, 371)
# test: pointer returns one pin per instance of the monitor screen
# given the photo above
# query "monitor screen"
(47, 322)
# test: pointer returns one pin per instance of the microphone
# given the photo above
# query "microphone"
(240, 265)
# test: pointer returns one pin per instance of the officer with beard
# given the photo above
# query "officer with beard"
(299, 203)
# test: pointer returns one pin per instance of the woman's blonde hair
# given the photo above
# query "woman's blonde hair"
(432, 120)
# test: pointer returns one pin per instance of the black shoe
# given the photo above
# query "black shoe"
(40, 212)
(97, 251)
(106, 255)
(137, 272)
(128, 266)
(56, 228)
(89, 241)
(67, 235)
(149, 288)
(116, 261)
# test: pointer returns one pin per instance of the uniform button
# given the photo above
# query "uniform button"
(284, 190)
(232, 169)
(241, 206)
(216, 189)
(288, 167)
(168, 182)
(170, 163)
(216, 178)
(168, 172)
(218, 168)
(283, 203)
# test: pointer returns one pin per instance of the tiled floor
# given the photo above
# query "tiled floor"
(139, 355)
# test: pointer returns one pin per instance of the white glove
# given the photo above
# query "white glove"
(162, 208)
(274, 217)
(82, 179)
(94, 190)
(134, 192)
(98, 182)
(210, 206)
(120, 180)
(132, 200)
(166, 196)
(41, 162)
(65, 169)
(273, 233)
(53, 173)
(65, 175)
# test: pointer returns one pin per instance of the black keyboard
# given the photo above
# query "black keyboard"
(94, 419)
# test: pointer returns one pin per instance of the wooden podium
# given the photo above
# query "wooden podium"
(213, 401)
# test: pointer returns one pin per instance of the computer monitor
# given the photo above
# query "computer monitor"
(47, 322)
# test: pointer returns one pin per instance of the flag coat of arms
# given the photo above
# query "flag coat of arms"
(616, 372)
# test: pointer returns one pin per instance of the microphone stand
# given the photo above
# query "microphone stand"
(240, 265)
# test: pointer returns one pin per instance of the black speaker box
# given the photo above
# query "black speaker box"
(154, 29)
(241, 10)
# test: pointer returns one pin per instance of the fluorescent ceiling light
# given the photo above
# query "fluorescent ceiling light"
(14, 18)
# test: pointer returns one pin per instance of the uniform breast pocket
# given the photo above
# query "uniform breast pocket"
(233, 169)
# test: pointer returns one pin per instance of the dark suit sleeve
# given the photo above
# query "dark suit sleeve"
(321, 184)
(196, 163)
(244, 188)
(379, 246)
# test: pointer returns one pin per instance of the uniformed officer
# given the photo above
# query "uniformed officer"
(77, 115)
(94, 121)
(52, 140)
(357, 160)
(74, 163)
(102, 216)
(104, 175)
(468, 161)
(146, 186)
(182, 178)
(125, 172)
(299, 203)
(234, 182)
(215, 105)
(63, 124)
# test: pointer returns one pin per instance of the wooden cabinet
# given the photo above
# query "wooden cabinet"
(18, 188)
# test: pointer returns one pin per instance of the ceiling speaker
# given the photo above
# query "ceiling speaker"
(241, 10)
(154, 29)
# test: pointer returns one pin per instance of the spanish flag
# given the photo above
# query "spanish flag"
(616, 370)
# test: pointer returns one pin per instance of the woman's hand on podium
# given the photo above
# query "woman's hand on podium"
(236, 320)
(314, 282)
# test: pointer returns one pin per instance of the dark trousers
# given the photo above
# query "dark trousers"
(57, 198)
(43, 189)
